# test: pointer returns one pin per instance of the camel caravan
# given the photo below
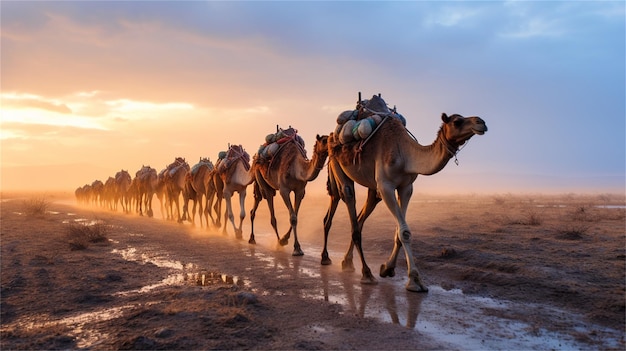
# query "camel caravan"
(370, 146)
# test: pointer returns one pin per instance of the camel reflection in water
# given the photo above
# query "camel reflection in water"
(382, 301)
(371, 300)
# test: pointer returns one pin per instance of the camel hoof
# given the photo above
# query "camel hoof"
(387, 272)
(252, 241)
(326, 261)
(297, 252)
(347, 266)
(150, 214)
(369, 280)
(283, 242)
(415, 285)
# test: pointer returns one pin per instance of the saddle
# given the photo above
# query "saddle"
(228, 158)
(203, 162)
(275, 142)
(360, 124)
(173, 167)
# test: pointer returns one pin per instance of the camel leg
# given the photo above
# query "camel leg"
(140, 204)
(207, 208)
(218, 210)
(398, 209)
(185, 209)
(284, 193)
(369, 206)
(257, 200)
(192, 216)
(200, 209)
(242, 213)
(273, 222)
(228, 214)
(328, 218)
(348, 197)
(193, 213)
(148, 206)
(163, 206)
(267, 192)
(299, 196)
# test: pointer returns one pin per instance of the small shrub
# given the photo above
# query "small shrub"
(81, 235)
(577, 232)
(36, 206)
(584, 214)
(531, 218)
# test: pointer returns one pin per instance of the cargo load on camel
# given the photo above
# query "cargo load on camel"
(204, 161)
(228, 158)
(173, 167)
(359, 124)
(275, 142)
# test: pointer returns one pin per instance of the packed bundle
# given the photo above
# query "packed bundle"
(204, 161)
(274, 141)
(226, 158)
(358, 124)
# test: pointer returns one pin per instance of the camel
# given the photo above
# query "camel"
(160, 192)
(174, 180)
(147, 181)
(83, 194)
(96, 191)
(122, 186)
(287, 171)
(196, 188)
(233, 174)
(390, 161)
(108, 193)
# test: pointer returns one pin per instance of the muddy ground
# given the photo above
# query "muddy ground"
(504, 272)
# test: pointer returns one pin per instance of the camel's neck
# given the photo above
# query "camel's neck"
(309, 170)
(430, 159)
(243, 174)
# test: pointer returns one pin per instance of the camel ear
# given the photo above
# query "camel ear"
(445, 118)
(318, 137)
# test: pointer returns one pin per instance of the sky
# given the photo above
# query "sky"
(89, 88)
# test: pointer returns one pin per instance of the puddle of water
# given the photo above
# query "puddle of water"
(184, 273)
(611, 206)
(84, 221)
(450, 316)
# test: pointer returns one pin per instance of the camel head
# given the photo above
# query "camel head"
(457, 129)
(321, 145)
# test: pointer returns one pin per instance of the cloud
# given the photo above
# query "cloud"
(10, 100)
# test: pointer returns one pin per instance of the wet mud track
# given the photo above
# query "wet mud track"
(202, 263)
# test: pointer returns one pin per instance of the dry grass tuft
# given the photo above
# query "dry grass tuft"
(584, 213)
(36, 206)
(530, 217)
(81, 235)
(573, 232)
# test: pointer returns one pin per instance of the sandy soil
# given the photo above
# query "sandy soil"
(504, 272)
